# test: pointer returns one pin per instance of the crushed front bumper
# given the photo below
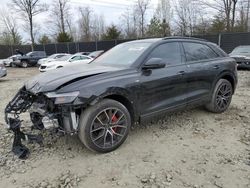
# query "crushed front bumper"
(44, 115)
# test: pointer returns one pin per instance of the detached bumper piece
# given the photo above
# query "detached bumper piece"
(20, 104)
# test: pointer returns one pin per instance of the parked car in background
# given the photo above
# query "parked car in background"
(8, 61)
(30, 59)
(65, 61)
(51, 58)
(96, 54)
(131, 83)
(3, 70)
(242, 56)
(82, 53)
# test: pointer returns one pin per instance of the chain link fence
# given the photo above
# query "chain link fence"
(227, 41)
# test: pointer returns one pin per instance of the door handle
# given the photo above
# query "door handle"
(216, 66)
(181, 73)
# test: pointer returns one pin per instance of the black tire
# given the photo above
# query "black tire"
(25, 64)
(12, 65)
(94, 128)
(221, 97)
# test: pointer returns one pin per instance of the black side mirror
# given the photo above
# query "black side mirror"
(154, 63)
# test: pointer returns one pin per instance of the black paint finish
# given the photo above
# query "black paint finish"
(147, 91)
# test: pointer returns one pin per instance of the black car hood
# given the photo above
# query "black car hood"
(51, 80)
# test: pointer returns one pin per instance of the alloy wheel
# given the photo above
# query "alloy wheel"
(108, 128)
(224, 96)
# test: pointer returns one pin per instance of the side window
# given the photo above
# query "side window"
(84, 57)
(169, 52)
(34, 54)
(196, 51)
(76, 58)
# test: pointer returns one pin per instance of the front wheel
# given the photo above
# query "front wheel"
(104, 126)
(24, 64)
(221, 97)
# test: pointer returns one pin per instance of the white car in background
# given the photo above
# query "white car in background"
(51, 58)
(3, 71)
(8, 61)
(65, 61)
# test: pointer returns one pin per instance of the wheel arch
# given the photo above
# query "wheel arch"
(126, 102)
(229, 77)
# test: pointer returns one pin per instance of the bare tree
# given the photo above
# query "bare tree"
(10, 27)
(141, 8)
(85, 23)
(61, 14)
(226, 8)
(29, 8)
(129, 23)
(98, 27)
(163, 11)
(187, 13)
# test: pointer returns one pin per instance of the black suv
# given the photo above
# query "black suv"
(132, 82)
(30, 59)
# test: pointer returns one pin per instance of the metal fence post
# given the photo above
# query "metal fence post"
(219, 40)
(68, 47)
(96, 47)
(55, 47)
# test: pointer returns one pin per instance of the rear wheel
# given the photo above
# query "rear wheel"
(104, 126)
(24, 64)
(221, 98)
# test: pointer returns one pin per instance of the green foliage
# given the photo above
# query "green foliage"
(64, 37)
(44, 39)
(111, 33)
(218, 25)
(156, 28)
(9, 39)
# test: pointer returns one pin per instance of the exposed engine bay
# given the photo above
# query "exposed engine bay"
(44, 114)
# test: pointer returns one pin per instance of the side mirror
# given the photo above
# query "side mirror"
(154, 63)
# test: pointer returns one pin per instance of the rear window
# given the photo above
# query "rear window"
(197, 51)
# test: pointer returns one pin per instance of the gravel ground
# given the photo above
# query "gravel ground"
(187, 149)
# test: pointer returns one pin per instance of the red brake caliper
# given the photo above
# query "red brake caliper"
(114, 119)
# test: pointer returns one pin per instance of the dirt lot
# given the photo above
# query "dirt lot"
(188, 149)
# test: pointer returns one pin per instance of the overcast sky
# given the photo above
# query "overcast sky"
(110, 9)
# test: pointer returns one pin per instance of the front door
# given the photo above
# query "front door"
(164, 88)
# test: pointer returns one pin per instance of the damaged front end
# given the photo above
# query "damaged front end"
(47, 111)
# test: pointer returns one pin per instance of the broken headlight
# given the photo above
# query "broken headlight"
(63, 98)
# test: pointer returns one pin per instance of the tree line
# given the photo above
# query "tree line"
(180, 17)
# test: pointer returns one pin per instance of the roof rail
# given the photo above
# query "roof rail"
(181, 37)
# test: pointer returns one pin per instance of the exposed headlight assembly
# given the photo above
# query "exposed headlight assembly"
(63, 98)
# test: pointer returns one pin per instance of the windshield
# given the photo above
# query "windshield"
(122, 55)
(95, 53)
(241, 49)
(64, 58)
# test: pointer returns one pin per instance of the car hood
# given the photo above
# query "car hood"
(51, 80)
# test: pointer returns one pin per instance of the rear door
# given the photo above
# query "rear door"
(203, 67)
(164, 88)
